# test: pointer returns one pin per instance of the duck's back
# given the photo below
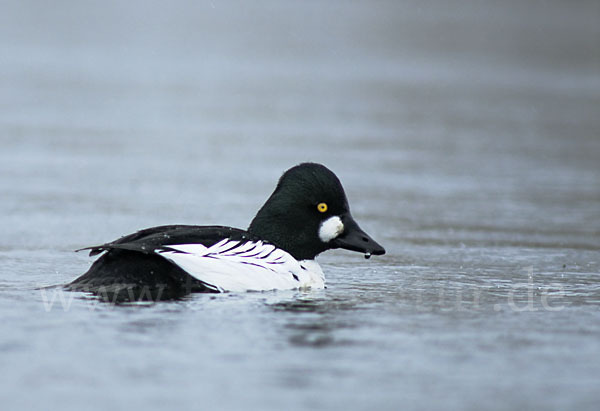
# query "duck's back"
(172, 261)
(130, 270)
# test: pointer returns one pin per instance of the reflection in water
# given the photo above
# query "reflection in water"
(320, 305)
(316, 321)
(309, 324)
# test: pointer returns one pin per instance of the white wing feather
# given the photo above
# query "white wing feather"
(233, 266)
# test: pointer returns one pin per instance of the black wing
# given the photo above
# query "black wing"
(130, 271)
(146, 241)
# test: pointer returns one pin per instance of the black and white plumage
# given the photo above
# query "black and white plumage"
(307, 214)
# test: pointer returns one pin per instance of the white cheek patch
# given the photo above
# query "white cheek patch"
(330, 229)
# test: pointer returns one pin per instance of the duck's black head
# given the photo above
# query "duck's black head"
(308, 213)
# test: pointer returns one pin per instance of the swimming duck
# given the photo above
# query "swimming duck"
(307, 214)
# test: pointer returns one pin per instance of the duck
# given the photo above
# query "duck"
(307, 214)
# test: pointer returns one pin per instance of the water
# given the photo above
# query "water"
(466, 134)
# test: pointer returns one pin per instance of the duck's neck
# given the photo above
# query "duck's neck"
(286, 232)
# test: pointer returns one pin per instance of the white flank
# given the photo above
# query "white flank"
(249, 266)
(330, 229)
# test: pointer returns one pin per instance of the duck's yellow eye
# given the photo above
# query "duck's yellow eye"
(322, 207)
